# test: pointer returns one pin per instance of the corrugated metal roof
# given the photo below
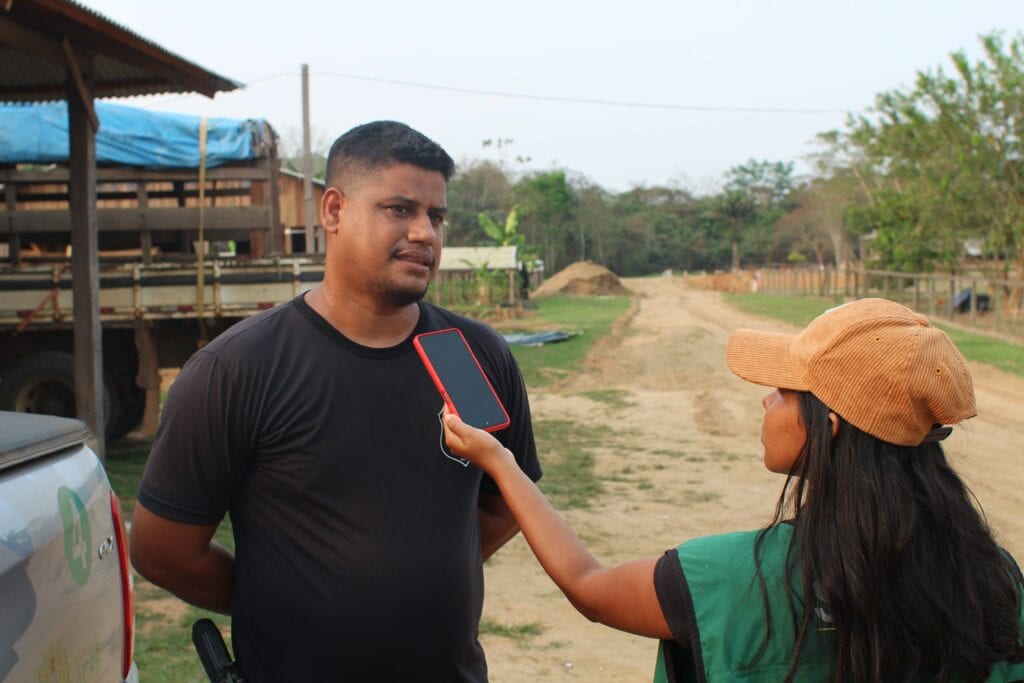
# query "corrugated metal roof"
(33, 63)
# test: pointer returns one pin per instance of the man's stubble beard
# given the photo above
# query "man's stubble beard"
(401, 296)
(404, 297)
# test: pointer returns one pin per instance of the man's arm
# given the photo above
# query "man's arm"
(183, 559)
(497, 524)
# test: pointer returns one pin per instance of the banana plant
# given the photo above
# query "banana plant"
(506, 235)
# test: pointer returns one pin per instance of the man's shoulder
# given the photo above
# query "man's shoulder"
(256, 329)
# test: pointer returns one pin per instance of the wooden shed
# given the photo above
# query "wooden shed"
(60, 50)
(293, 212)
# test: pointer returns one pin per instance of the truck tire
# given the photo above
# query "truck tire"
(131, 401)
(44, 383)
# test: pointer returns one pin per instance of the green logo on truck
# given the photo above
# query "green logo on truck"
(77, 538)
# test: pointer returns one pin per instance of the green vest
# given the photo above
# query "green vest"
(730, 621)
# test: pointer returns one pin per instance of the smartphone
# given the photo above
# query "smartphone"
(460, 379)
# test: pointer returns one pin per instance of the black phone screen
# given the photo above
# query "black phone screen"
(458, 375)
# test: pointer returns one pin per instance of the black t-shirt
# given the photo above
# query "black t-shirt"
(357, 538)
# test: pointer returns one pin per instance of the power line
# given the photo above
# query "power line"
(539, 98)
(586, 100)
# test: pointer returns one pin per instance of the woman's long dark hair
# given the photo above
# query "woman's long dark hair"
(888, 541)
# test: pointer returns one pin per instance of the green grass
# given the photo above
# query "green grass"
(520, 633)
(1004, 355)
(796, 310)
(163, 646)
(589, 318)
(613, 398)
(569, 480)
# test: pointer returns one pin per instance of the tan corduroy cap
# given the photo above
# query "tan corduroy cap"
(876, 363)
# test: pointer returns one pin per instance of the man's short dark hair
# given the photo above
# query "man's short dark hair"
(377, 144)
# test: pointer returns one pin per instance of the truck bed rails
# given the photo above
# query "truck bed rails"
(42, 295)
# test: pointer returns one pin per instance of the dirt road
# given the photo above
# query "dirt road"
(683, 459)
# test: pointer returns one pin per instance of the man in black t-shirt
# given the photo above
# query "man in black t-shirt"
(359, 537)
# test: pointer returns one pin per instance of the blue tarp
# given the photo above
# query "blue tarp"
(537, 338)
(38, 133)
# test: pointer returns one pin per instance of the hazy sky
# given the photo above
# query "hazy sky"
(730, 80)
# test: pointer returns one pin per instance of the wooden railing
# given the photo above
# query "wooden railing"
(982, 303)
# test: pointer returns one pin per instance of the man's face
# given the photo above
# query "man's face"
(389, 233)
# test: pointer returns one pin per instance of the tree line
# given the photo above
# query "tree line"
(929, 176)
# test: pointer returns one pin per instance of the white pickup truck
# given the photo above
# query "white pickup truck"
(65, 585)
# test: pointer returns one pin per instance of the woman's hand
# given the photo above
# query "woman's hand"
(473, 444)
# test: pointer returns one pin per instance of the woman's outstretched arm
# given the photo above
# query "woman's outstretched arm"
(622, 597)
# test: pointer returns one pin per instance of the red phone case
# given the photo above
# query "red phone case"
(440, 384)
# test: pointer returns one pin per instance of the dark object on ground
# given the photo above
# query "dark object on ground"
(962, 301)
(537, 338)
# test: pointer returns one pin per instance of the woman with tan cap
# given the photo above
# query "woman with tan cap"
(876, 565)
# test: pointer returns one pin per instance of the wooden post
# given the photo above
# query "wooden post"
(307, 167)
(276, 235)
(997, 306)
(931, 296)
(952, 294)
(85, 266)
(184, 236)
(13, 240)
(146, 236)
(148, 377)
(974, 300)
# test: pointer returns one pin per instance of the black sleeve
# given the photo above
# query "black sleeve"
(200, 452)
(683, 659)
(674, 597)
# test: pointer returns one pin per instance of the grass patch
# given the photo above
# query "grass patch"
(589, 318)
(796, 310)
(565, 447)
(615, 399)
(1004, 355)
(722, 455)
(689, 497)
(163, 646)
(667, 453)
(520, 633)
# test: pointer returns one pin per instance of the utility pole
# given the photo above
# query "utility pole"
(307, 166)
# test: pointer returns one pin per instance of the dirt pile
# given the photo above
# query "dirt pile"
(582, 277)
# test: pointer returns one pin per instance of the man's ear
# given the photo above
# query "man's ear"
(834, 419)
(330, 209)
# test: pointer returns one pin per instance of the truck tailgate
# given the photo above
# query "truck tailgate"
(60, 582)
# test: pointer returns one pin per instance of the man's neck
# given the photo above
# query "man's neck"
(365, 322)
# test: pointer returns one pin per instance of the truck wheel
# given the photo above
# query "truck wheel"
(44, 383)
(132, 402)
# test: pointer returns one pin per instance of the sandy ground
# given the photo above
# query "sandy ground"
(684, 460)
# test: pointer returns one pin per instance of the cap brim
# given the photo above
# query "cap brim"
(764, 358)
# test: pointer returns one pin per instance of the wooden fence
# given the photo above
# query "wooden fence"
(981, 303)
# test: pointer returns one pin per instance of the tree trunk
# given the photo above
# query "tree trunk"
(735, 256)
